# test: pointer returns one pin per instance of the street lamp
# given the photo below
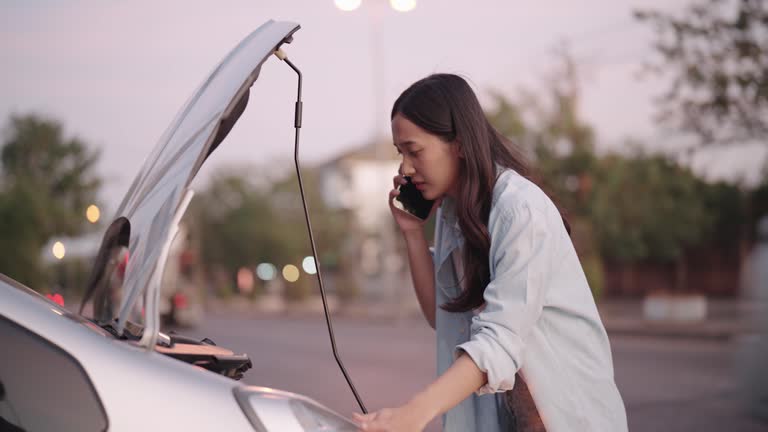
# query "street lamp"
(58, 250)
(309, 265)
(93, 213)
(398, 5)
(266, 271)
(291, 273)
(382, 149)
(403, 5)
(347, 5)
(377, 59)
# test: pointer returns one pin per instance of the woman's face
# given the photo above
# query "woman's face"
(432, 163)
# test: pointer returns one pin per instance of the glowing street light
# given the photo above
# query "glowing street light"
(403, 5)
(347, 5)
(398, 5)
(58, 250)
(245, 280)
(309, 265)
(376, 9)
(291, 273)
(93, 213)
(266, 271)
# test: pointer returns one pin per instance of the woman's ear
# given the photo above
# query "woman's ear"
(458, 149)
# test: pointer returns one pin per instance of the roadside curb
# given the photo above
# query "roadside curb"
(676, 330)
(616, 322)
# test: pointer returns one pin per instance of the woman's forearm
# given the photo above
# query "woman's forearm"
(457, 383)
(422, 272)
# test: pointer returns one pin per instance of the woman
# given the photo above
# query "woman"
(520, 344)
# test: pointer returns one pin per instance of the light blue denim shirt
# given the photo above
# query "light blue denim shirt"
(539, 319)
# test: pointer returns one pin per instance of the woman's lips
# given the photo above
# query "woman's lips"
(420, 186)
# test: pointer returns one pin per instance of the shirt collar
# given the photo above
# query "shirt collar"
(449, 212)
(448, 206)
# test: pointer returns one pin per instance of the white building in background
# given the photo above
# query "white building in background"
(360, 180)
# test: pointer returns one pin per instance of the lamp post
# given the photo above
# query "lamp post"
(92, 213)
(391, 278)
(378, 76)
(398, 5)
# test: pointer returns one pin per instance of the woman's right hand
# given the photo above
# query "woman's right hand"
(406, 221)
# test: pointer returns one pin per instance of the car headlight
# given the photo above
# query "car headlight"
(272, 410)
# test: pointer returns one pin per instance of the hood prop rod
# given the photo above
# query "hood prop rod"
(297, 125)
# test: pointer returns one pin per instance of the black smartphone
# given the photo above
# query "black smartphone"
(411, 201)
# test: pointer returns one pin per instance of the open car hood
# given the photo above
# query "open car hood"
(152, 206)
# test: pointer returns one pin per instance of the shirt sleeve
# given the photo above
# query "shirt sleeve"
(519, 258)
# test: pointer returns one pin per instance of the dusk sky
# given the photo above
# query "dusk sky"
(115, 72)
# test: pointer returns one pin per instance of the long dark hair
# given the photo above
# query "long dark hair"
(445, 106)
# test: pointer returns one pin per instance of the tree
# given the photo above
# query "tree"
(560, 145)
(717, 54)
(647, 208)
(552, 131)
(244, 220)
(759, 197)
(46, 183)
(622, 208)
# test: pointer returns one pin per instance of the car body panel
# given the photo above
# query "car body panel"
(139, 389)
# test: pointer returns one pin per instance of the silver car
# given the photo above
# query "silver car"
(111, 368)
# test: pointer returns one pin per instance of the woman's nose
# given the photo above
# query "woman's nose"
(406, 168)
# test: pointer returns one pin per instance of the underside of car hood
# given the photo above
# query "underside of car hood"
(145, 221)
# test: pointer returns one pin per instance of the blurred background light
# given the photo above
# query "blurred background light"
(266, 271)
(403, 5)
(347, 5)
(93, 213)
(245, 280)
(291, 273)
(309, 265)
(58, 250)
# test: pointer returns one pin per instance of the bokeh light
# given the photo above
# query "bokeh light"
(245, 280)
(309, 265)
(347, 5)
(291, 273)
(266, 271)
(58, 250)
(93, 213)
(403, 5)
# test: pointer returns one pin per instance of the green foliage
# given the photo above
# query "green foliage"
(20, 216)
(560, 145)
(241, 224)
(728, 206)
(647, 208)
(552, 131)
(595, 273)
(758, 200)
(299, 290)
(715, 52)
(628, 207)
(584, 240)
(507, 118)
(227, 215)
(46, 183)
